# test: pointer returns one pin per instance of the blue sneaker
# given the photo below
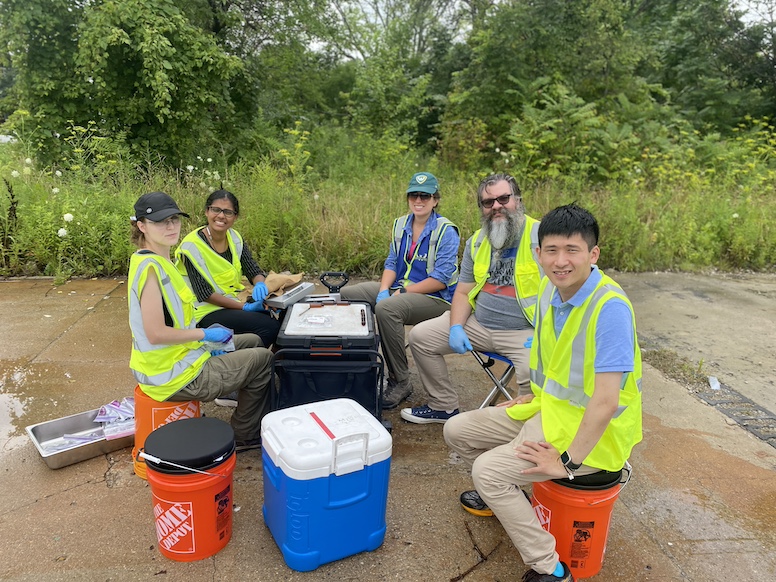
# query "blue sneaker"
(425, 415)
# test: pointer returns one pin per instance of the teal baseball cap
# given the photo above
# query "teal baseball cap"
(423, 182)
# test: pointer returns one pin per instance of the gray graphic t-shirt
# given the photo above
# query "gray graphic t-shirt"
(496, 306)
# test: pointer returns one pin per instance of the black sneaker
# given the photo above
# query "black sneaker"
(473, 503)
(424, 415)
(248, 445)
(534, 576)
(228, 400)
(395, 392)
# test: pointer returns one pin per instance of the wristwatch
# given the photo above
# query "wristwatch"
(569, 465)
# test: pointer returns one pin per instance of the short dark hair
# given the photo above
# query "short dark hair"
(493, 179)
(569, 220)
(221, 195)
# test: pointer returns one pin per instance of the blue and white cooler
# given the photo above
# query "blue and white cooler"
(326, 467)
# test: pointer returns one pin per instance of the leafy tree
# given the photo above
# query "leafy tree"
(699, 49)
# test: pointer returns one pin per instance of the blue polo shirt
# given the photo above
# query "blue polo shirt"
(614, 334)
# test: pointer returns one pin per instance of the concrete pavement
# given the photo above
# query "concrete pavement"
(701, 505)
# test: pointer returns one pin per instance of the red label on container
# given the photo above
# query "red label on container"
(175, 525)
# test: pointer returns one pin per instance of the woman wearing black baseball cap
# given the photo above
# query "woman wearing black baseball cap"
(172, 359)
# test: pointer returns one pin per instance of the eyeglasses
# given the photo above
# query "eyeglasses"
(503, 200)
(419, 196)
(225, 211)
(172, 220)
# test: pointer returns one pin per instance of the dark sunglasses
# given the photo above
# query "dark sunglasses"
(503, 200)
(225, 211)
(420, 195)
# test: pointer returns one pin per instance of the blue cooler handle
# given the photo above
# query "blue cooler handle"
(348, 456)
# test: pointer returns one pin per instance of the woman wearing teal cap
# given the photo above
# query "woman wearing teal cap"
(172, 359)
(418, 280)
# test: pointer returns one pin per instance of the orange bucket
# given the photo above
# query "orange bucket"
(190, 466)
(150, 414)
(578, 516)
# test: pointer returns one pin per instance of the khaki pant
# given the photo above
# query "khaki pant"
(246, 370)
(392, 315)
(486, 440)
(429, 345)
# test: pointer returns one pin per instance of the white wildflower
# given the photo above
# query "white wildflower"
(14, 174)
(28, 161)
(190, 168)
(316, 197)
(58, 174)
(68, 217)
(735, 215)
(62, 233)
(209, 160)
(498, 150)
(55, 190)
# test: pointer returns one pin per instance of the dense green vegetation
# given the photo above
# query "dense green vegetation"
(655, 114)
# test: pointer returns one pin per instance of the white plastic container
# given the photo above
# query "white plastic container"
(326, 468)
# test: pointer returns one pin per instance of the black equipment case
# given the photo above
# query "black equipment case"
(328, 351)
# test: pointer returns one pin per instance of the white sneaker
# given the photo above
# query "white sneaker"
(228, 400)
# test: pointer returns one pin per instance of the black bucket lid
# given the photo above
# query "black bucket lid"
(592, 482)
(199, 443)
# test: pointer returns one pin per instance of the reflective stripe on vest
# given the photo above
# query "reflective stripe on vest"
(162, 369)
(224, 277)
(527, 271)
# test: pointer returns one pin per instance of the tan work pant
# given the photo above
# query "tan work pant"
(486, 440)
(429, 344)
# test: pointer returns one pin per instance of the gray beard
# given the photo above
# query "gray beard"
(503, 232)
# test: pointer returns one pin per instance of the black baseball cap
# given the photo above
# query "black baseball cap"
(156, 206)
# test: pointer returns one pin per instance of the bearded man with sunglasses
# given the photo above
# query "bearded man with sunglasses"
(493, 305)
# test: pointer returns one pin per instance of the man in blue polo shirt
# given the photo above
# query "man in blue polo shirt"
(584, 414)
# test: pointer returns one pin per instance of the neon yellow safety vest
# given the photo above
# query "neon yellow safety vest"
(528, 272)
(162, 369)
(563, 379)
(225, 277)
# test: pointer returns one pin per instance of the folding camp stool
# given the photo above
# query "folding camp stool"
(499, 384)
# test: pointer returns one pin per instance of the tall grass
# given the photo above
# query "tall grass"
(326, 201)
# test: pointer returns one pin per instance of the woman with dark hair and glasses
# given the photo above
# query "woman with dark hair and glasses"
(173, 359)
(418, 280)
(213, 259)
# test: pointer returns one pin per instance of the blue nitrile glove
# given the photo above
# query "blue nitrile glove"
(217, 352)
(255, 306)
(459, 341)
(260, 293)
(219, 335)
(528, 343)
(382, 295)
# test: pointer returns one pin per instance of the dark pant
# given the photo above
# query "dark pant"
(246, 370)
(260, 323)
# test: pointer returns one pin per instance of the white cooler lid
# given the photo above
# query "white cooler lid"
(341, 319)
(331, 436)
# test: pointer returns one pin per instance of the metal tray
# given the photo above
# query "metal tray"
(48, 438)
(291, 296)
